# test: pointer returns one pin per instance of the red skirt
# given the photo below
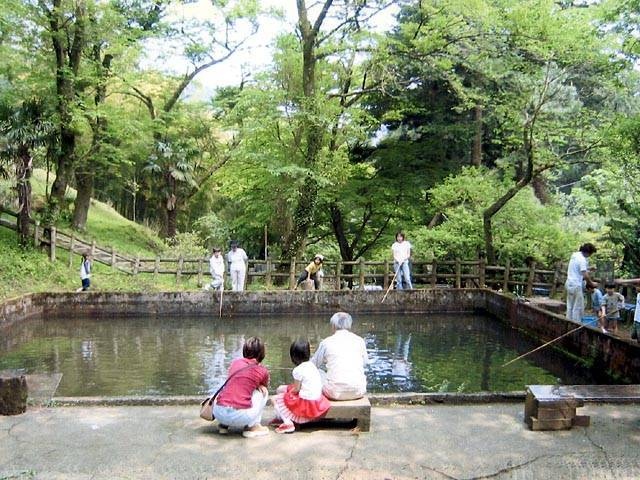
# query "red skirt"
(302, 410)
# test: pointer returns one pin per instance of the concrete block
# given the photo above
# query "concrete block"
(352, 409)
(13, 394)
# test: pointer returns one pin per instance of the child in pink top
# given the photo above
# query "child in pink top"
(302, 401)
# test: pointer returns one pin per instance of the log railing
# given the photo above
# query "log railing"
(272, 273)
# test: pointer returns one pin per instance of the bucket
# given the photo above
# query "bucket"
(590, 320)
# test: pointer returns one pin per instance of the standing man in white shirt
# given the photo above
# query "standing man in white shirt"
(401, 249)
(344, 355)
(577, 275)
(237, 259)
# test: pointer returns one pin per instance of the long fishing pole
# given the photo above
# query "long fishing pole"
(391, 284)
(544, 345)
(556, 339)
(221, 292)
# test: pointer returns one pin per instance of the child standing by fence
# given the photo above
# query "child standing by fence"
(302, 401)
(612, 303)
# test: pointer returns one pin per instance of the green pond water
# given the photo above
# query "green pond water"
(187, 356)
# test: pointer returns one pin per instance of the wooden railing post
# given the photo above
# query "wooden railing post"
(482, 273)
(71, 245)
(156, 268)
(292, 274)
(267, 275)
(458, 274)
(361, 269)
(113, 257)
(36, 234)
(505, 282)
(179, 269)
(338, 274)
(385, 279)
(52, 246)
(556, 276)
(434, 273)
(93, 247)
(532, 274)
(136, 265)
(199, 281)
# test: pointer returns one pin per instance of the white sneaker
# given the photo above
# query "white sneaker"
(256, 431)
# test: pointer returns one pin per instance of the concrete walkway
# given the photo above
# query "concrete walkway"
(429, 442)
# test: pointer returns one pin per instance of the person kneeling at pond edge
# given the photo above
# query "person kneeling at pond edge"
(243, 398)
(302, 401)
(344, 354)
(310, 272)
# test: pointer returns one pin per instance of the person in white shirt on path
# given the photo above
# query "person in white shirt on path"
(216, 268)
(577, 275)
(401, 254)
(344, 355)
(237, 259)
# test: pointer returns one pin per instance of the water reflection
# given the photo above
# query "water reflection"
(125, 356)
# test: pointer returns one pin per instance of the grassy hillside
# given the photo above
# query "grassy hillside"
(26, 271)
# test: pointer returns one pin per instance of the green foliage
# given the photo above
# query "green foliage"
(187, 244)
(524, 228)
(212, 231)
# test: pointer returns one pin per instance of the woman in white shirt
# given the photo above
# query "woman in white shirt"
(401, 254)
(237, 259)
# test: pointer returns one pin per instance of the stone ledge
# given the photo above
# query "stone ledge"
(376, 399)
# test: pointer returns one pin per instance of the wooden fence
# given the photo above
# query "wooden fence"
(360, 274)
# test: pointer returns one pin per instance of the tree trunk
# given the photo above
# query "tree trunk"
(337, 224)
(314, 131)
(172, 215)
(23, 183)
(523, 180)
(84, 186)
(68, 41)
(540, 190)
(85, 173)
(64, 167)
(476, 154)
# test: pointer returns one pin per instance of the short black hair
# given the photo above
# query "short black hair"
(253, 348)
(609, 285)
(300, 351)
(588, 248)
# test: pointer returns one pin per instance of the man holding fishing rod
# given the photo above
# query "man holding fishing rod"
(577, 275)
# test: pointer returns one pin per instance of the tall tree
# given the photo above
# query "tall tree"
(203, 44)
(332, 35)
(66, 30)
(22, 130)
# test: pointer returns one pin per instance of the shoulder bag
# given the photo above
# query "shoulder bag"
(206, 406)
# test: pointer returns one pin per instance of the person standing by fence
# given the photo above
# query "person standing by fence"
(577, 274)
(401, 249)
(237, 259)
(85, 272)
(216, 268)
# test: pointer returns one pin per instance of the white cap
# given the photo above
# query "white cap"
(321, 257)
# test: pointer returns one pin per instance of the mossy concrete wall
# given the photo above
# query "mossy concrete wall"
(104, 304)
(618, 357)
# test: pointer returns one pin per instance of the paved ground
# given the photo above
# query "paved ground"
(431, 442)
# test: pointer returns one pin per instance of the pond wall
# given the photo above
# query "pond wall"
(618, 357)
(104, 304)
